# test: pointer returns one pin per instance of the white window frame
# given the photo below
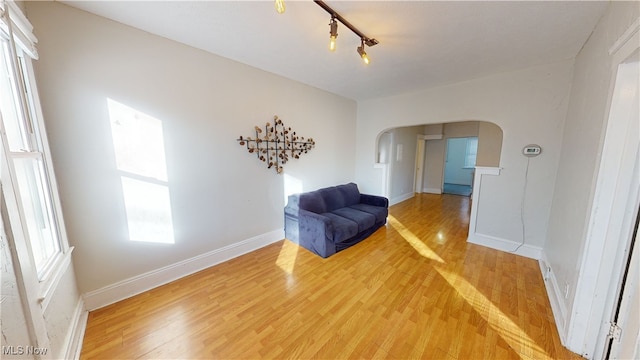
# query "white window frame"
(468, 153)
(17, 30)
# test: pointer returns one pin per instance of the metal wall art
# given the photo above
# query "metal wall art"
(276, 144)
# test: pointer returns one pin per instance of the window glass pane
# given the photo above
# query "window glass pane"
(37, 209)
(36, 143)
(12, 117)
(471, 152)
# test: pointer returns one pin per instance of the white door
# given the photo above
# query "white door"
(611, 228)
(626, 340)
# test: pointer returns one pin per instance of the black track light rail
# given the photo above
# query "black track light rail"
(367, 40)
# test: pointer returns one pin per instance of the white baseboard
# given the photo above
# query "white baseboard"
(152, 279)
(526, 250)
(401, 198)
(555, 298)
(432, 190)
(75, 334)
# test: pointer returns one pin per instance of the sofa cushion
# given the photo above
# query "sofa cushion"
(350, 193)
(363, 219)
(343, 228)
(312, 201)
(379, 212)
(333, 198)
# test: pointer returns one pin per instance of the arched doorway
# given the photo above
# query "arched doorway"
(413, 158)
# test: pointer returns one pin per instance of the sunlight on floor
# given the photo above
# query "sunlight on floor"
(413, 240)
(287, 257)
(509, 331)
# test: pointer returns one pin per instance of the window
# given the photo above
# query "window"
(26, 172)
(27, 162)
(471, 152)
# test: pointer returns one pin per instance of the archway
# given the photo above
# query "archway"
(413, 157)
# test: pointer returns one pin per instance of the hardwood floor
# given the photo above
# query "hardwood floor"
(414, 289)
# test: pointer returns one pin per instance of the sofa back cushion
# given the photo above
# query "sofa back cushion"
(350, 193)
(313, 201)
(329, 199)
(333, 198)
(337, 197)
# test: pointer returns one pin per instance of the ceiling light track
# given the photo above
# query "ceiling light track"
(364, 39)
(334, 14)
(333, 32)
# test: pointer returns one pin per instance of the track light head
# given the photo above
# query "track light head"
(371, 42)
(363, 54)
(333, 32)
(280, 6)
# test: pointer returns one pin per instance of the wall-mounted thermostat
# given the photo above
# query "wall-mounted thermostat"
(531, 150)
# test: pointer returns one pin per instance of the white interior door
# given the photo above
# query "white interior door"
(611, 227)
(626, 343)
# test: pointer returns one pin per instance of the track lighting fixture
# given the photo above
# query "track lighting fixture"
(362, 53)
(335, 17)
(280, 6)
(333, 33)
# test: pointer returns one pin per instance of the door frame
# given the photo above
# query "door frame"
(446, 158)
(627, 312)
(608, 234)
(418, 181)
(421, 141)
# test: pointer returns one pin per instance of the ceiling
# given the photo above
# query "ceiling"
(422, 43)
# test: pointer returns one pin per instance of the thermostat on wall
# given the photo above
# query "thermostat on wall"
(531, 150)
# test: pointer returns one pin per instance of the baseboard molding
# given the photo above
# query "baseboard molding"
(75, 334)
(432, 190)
(554, 294)
(401, 198)
(526, 250)
(152, 279)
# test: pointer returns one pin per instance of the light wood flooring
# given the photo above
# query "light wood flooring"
(414, 289)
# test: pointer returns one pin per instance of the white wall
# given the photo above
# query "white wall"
(489, 144)
(403, 165)
(61, 314)
(220, 194)
(433, 169)
(581, 148)
(529, 105)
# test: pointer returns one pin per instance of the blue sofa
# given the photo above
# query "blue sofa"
(332, 219)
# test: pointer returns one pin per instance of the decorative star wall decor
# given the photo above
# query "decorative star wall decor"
(276, 144)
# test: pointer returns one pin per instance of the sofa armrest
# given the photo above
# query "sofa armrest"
(313, 219)
(311, 231)
(374, 200)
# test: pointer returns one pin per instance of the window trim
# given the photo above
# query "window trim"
(60, 263)
(467, 153)
(16, 29)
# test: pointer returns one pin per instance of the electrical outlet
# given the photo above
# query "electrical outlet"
(566, 290)
(547, 274)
